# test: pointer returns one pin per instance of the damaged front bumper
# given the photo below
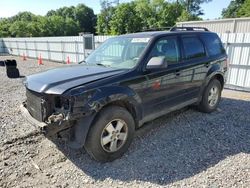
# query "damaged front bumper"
(48, 129)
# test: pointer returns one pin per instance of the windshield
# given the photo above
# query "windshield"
(120, 52)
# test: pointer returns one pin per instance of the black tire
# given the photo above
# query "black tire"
(2, 63)
(12, 72)
(10, 63)
(93, 144)
(205, 104)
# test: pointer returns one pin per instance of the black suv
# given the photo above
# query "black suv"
(125, 82)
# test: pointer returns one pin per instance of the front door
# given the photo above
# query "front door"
(162, 88)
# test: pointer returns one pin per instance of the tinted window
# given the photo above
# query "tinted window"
(213, 43)
(193, 47)
(167, 47)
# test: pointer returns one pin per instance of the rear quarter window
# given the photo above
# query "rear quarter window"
(193, 47)
(213, 44)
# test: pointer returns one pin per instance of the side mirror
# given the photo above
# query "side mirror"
(157, 62)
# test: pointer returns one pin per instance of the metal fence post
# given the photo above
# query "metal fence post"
(83, 38)
(76, 50)
(26, 48)
(35, 44)
(11, 50)
(62, 48)
(18, 51)
(234, 26)
(48, 47)
(93, 42)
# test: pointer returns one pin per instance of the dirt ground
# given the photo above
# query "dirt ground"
(182, 149)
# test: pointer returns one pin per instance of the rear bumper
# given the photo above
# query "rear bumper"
(46, 129)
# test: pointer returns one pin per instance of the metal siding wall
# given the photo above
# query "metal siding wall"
(238, 50)
(242, 26)
(237, 25)
(212, 26)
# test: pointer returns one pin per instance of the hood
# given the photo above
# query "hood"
(58, 80)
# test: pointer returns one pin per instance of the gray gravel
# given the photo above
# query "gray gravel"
(183, 149)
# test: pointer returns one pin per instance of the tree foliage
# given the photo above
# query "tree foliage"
(65, 21)
(244, 10)
(193, 7)
(232, 11)
(114, 18)
(142, 14)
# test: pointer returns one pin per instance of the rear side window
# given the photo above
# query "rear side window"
(213, 44)
(193, 47)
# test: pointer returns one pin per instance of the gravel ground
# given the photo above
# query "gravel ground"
(183, 149)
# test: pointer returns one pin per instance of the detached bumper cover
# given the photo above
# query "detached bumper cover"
(46, 129)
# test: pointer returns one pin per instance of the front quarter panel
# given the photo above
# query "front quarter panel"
(91, 102)
(109, 94)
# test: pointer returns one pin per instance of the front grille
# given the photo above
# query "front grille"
(34, 104)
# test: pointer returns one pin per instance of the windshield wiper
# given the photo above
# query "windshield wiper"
(83, 61)
(100, 64)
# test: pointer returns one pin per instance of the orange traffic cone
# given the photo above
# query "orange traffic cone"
(40, 61)
(24, 57)
(68, 61)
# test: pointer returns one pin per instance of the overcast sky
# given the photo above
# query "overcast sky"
(11, 7)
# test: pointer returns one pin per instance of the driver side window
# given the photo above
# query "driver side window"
(168, 48)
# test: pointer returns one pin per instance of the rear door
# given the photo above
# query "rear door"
(195, 65)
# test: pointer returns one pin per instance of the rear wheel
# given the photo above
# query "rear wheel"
(111, 134)
(211, 97)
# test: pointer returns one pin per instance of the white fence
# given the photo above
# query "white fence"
(51, 48)
(59, 48)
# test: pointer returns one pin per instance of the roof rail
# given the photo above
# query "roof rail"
(157, 29)
(188, 28)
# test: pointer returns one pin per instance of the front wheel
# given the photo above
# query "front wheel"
(211, 97)
(111, 134)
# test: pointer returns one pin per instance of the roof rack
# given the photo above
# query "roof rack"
(188, 28)
(157, 29)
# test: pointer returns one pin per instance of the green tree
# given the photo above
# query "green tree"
(20, 29)
(193, 7)
(4, 28)
(71, 27)
(232, 10)
(86, 18)
(186, 16)
(158, 13)
(104, 18)
(125, 19)
(244, 10)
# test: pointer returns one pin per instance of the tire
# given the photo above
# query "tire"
(2, 64)
(10, 63)
(211, 98)
(101, 135)
(12, 72)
